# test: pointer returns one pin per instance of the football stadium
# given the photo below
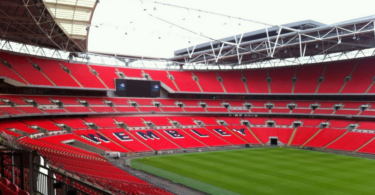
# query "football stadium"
(89, 107)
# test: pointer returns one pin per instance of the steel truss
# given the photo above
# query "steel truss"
(328, 43)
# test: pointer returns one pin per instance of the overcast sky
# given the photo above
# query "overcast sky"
(126, 27)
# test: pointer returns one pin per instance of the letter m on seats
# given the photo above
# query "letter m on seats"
(148, 135)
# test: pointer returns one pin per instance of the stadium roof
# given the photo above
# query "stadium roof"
(294, 41)
(55, 24)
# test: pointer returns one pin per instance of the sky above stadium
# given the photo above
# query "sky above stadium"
(144, 28)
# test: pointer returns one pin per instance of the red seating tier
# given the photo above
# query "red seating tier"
(155, 140)
(194, 109)
(206, 137)
(282, 79)
(183, 120)
(347, 112)
(370, 125)
(55, 72)
(172, 109)
(162, 76)
(181, 138)
(130, 72)
(75, 123)
(24, 68)
(126, 109)
(80, 109)
(30, 110)
(102, 122)
(334, 76)
(324, 137)
(232, 81)
(42, 100)
(18, 125)
(284, 121)
(149, 109)
(256, 80)
(84, 76)
(125, 139)
(209, 82)
(94, 136)
(351, 141)
(107, 74)
(158, 121)
(303, 134)
(103, 109)
(361, 77)
(257, 120)
(184, 81)
(11, 110)
(243, 132)
(231, 120)
(43, 123)
(210, 109)
(340, 123)
(226, 134)
(207, 120)
(307, 78)
(131, 121)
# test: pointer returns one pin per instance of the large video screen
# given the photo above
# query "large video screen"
(137, 88)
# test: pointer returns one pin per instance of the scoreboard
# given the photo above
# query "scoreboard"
(137, 88)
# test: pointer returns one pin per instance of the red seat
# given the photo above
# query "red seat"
(13, 188)
(4, 181)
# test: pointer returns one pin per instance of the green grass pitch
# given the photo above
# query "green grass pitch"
(262, 171)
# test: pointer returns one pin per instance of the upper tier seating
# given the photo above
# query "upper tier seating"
(243, 132)
(93, 101)
(55, 72)
(155, 140)
(209, 82)
(83, 75)
(102, 109)
(11, 111)
(361, 78)
(78, 109)
(351, 141)
(185, 81)
(25, 69)
(324, 137)
(256, 80)
(307, 78)
(282, 79)
(264, 134)
(161, 75)
(107, 74)
(334, 76)
(130, 72)
(181, 138)
(271, 80)
(206, 137)
(232, 81)
(30, 110)
(125, 139)
(226, 134)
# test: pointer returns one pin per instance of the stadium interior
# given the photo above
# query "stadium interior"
(65, 129)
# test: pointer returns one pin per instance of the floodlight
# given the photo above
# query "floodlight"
(354, 37)
(317, 45)
(285, 51)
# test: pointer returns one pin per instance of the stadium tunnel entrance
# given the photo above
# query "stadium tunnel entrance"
(274, 141)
